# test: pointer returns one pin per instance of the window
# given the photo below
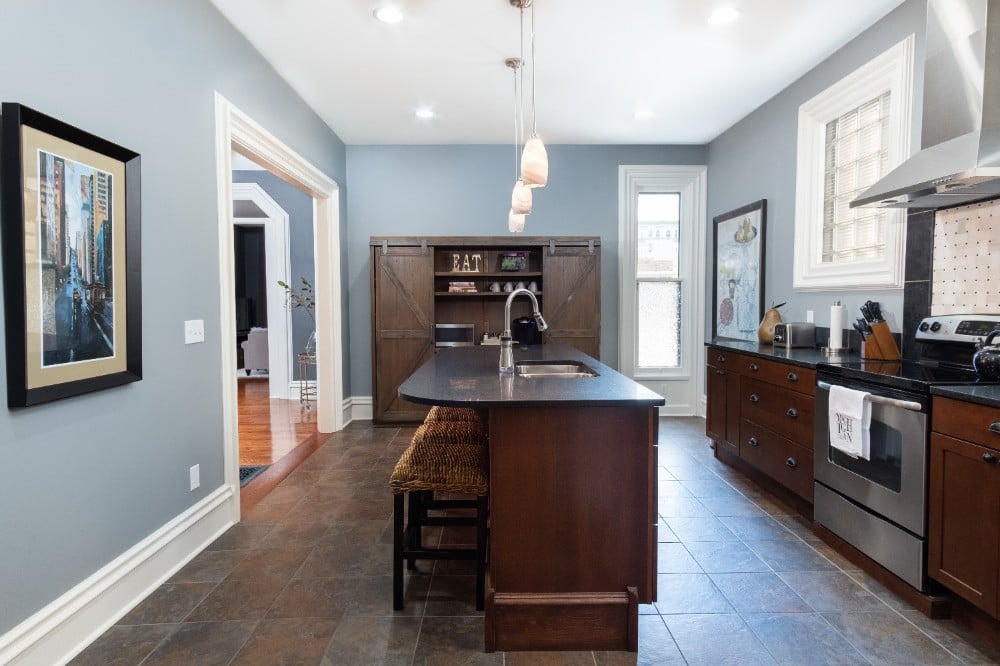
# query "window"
(850, 136)
(661, 243)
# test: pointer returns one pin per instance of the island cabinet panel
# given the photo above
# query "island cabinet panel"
(402, 327)
(572, 525)
(456, 284)
(572, 304)
(963, 545)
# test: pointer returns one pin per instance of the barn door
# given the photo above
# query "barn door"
(571, 301)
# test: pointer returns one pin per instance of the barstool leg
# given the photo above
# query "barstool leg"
(482, 503)
(397, 551)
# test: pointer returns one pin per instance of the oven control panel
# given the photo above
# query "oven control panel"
(957, 328)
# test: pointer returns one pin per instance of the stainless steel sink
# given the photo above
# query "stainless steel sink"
(553, 369)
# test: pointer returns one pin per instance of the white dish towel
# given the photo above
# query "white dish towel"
(850, 417)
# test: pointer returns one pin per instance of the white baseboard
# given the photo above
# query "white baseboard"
(358, 408)
(62, 629)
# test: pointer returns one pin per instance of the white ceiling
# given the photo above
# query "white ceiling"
(597, 62)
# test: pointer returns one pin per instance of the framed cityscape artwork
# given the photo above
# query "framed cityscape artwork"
(71, 259)
(738, 275)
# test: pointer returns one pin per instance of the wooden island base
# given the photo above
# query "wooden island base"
(605, 621)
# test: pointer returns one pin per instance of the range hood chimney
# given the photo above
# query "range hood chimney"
(959, 160)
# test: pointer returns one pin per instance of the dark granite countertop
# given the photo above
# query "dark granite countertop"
(985, 394)
(806, 357)
(468, 377)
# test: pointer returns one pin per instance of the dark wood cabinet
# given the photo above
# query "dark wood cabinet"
(964, 511)
(420, 283)
(763, 411)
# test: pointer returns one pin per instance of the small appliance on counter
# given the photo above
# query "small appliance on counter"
(454, 335)
(525, 331)
(794, 334)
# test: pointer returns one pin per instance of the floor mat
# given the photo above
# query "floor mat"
(250, 472)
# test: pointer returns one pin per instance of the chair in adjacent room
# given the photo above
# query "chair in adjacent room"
(450, 457)
(255, 350)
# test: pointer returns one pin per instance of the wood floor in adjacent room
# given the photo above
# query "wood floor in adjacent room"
(270, 428)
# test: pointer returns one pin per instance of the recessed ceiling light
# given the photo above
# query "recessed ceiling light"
(643, 113)
(723, 15)
(424, 113)
(389, 14)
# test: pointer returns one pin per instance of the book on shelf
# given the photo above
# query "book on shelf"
(462, 287)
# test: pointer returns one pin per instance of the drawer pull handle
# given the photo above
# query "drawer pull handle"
(990, 458)
(721, 359)
(720, 372)
(753, 367)
(791, 462)
(792, 377)
(995, 427)
(753, 441)
(792, 412)
(754, 398)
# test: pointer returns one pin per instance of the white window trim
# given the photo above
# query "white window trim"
(691, 182)
(891, 70)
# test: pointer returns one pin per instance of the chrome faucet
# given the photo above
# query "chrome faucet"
(506, 351)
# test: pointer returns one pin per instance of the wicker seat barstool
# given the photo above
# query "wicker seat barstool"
(440, 413)
(450, 457)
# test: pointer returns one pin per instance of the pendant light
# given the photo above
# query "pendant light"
(520, 198)
(534, 159)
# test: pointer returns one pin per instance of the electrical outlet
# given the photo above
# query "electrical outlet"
(195, 476)
(194, 331)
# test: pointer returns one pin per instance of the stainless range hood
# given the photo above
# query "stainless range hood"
(959, 162)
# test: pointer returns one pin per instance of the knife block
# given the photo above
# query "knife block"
(880, 345)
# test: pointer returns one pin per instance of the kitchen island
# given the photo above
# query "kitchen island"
(573, 517)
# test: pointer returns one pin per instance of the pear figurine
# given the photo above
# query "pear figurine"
(765, 333)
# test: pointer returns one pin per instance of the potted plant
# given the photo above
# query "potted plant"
(303, 298)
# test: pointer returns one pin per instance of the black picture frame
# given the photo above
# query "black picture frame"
(70, 223)
(739, 236)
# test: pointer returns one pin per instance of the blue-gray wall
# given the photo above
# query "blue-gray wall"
(755, 159)
(87, 478)
(465, 191)
(301, 243)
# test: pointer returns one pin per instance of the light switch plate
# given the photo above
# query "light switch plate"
(194, 331)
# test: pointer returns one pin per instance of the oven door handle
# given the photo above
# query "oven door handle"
(882, 400)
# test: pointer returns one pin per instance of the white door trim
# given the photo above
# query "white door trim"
(277, 267)
(234, 130)
(691, 181)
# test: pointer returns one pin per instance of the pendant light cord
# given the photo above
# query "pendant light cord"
(534, 123)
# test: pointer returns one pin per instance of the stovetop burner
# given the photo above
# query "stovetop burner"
(946, 346)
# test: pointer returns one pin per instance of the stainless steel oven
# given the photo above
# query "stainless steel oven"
(879, 505)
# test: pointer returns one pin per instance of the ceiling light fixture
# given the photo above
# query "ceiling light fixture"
(424, 113)
(724, 15)
(534, 159)
(520, 198)
(643, 113)
(388, 14)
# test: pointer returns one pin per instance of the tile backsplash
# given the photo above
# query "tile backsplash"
(966, 267)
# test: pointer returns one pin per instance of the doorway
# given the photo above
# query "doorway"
(661, 241)
(235, 131)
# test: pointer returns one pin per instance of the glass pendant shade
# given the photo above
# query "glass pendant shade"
(515, 222)
(520, 198)
(534, 163)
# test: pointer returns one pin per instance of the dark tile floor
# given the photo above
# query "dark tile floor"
(305, 578)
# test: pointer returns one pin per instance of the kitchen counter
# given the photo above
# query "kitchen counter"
(468, 377)
(806, 357)
(985, 394)
(572, 544)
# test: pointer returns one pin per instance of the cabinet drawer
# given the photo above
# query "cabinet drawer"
(789, 376)
(788, 413)
(784, 461)
(974, 423)
(719, 357)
